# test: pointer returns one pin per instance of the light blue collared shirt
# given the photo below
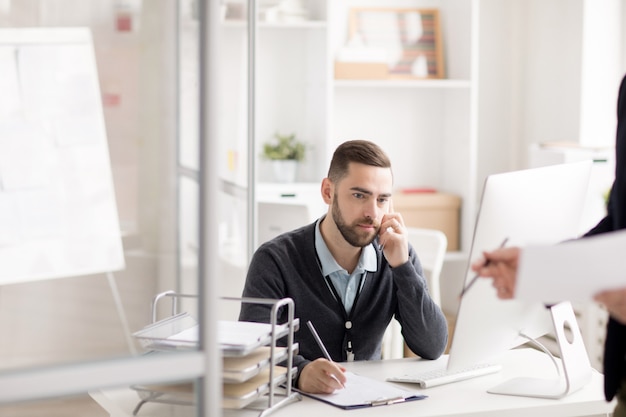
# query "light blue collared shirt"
(345, 284)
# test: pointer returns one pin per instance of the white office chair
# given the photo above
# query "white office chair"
(430, 246)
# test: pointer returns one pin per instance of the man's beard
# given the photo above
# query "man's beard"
(350, 232)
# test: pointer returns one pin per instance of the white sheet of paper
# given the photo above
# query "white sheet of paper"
(25, 158)
(361, 390)
(574, 270)
(11, 102)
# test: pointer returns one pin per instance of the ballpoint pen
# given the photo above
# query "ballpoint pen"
(323, 348)
(475, 278)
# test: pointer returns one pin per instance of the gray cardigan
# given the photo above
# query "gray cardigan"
(287, 266)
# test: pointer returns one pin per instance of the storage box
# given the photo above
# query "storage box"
(361, 70)
(431, 210)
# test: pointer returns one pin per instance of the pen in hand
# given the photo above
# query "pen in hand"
(475, 278)
(323, 348)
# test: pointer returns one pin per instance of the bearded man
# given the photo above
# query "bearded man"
(350, 273)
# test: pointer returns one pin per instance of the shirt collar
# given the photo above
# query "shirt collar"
(367, 262)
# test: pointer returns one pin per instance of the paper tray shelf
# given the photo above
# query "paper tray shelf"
(235, 338)
(249, 352)
(172, 333)
(235, 396)
(236, 370)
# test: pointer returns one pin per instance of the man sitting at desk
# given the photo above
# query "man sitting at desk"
(349, 273)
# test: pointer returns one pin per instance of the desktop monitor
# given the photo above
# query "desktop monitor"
(534, 206)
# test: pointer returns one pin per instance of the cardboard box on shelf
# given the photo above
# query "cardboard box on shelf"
(431, 210)
(361, 70)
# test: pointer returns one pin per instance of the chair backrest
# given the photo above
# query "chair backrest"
(430, 246)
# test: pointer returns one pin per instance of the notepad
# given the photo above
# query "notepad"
(360, 392)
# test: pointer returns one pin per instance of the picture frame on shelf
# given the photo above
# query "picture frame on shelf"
(409, 38)
(233, 10)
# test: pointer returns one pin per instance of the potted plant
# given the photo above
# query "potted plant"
(285, 152)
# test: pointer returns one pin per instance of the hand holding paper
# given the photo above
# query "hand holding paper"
(501, 266)
(615, 303)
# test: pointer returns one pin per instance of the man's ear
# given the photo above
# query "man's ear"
(327, 190)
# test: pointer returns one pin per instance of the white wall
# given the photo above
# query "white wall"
(602, 71)
(550, 71)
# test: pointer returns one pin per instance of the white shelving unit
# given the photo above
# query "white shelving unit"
(429, 127)
(410, 84)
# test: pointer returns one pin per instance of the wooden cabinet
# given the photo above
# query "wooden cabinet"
(438, 211)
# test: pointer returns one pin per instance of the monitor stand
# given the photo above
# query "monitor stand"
(576, 365)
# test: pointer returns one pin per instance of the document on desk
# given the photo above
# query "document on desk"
(360, 392)
(573, 270)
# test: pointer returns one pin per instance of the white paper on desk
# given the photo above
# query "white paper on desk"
(361, 391)
(574, 270)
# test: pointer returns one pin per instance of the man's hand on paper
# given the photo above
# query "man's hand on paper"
(501, 266)
(322, 377)
(615, 303)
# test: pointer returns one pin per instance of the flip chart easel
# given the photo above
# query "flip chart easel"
(58, 216)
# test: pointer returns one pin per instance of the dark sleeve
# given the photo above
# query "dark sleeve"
(424, 325)
(265, 280)
(607, 223)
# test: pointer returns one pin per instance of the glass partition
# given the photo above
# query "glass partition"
(169, 89)
(118, 123)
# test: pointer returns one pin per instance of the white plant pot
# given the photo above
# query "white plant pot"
(285, 170)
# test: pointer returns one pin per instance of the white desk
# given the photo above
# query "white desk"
(465, 398)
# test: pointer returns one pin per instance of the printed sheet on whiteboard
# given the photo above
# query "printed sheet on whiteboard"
(58, 216)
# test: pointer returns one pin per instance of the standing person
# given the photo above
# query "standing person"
(349, 273)
(502, 268)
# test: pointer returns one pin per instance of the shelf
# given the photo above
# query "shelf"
(455, 256)
(447, 83)
(237, 370)
(249, 351)
(308, 24)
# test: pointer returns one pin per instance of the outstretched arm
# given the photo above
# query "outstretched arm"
(501, 266)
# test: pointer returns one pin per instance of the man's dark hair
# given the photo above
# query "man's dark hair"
(358, 151)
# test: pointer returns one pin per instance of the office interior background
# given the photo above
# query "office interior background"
(519, 74)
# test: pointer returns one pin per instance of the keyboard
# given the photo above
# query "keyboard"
(440, 376)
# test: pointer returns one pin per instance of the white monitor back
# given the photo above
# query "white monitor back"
(278, 218)
(533, 206)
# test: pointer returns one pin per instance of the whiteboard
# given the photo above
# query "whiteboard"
(58, 216)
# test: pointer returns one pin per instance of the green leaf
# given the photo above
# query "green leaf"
(284, 147)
